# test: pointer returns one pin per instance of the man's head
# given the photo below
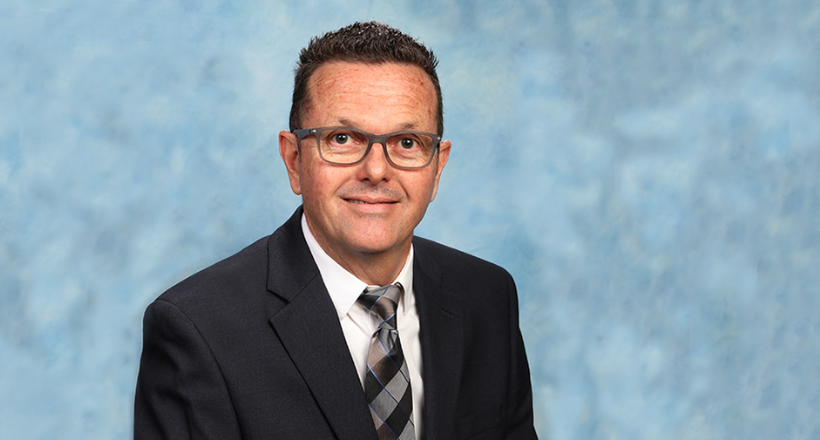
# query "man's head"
(363, 211)
(369, 43)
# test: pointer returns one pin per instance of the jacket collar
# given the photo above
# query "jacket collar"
(442, 343)
(309, 329)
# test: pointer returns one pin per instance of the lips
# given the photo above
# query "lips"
(368, 196)
(367, 202)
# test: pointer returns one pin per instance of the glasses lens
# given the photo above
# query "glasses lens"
(342, 145)
(410, 149)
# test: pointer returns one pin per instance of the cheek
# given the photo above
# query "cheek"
(318, 182)
(421, 190)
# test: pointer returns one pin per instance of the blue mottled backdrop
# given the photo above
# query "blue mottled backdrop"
(647, 170)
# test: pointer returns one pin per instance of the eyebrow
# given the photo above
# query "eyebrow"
(406, 126)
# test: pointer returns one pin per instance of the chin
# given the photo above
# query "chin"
(370, 244)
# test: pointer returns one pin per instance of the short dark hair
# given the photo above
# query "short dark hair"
(370, 43)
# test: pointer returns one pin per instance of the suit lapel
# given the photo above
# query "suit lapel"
(442, 345)
(309, 329)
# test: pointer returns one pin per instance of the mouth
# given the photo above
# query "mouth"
(366, 202)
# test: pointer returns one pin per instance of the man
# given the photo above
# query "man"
(342, 324)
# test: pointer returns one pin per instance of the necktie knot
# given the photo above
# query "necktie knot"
(383, 302)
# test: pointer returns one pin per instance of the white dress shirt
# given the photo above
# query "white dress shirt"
(358, 324)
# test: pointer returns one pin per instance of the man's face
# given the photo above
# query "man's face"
(369, 207)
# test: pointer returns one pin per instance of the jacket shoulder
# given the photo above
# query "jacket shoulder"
(438, 260)
(244, 271)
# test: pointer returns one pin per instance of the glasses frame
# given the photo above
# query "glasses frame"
(302, 133)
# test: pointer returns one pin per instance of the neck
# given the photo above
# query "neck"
(378, 269)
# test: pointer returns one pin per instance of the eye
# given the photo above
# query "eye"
(340, 138)
(407, 143)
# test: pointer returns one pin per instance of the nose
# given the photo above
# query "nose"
(375, 166)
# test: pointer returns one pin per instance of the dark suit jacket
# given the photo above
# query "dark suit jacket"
(252, 348)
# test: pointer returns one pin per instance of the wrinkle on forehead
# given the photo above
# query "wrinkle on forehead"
(405, 88)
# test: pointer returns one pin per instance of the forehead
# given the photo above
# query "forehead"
(350, 91)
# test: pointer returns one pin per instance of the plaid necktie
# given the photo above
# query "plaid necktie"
(387, 384)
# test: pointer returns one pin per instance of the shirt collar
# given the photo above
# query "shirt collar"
(344, 287)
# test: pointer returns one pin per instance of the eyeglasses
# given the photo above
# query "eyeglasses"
(346, 146)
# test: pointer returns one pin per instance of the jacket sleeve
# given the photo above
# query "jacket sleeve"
(181, 393)
(519, 412)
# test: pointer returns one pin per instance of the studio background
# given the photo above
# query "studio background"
(647, 170)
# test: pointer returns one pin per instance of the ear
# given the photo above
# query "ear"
(289, 150)
(443, 155)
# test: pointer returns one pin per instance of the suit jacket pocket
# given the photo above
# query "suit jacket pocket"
(481, 422)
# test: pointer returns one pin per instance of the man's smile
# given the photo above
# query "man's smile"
(364, 202)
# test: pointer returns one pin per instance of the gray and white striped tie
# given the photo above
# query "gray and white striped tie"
(387, 383)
